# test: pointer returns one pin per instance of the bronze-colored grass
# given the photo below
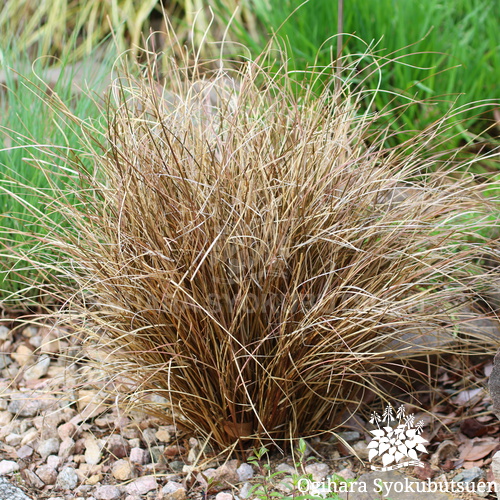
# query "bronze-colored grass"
(254, 255)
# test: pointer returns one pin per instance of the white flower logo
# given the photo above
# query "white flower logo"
(394, 444)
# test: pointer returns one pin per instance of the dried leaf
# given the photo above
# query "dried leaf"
(484, 418)
(467, 397)
(472, 428)
(469, 465)
(476, 449)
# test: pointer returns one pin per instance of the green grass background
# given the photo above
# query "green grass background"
(447, 51)
(27, 174)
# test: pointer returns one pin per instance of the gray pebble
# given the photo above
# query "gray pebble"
(67, 447)
(176, 465)
(24, 452)
(318, 470)
(288, 469)
(173, 490)
(48, 447)
(469, 475)
(245, 490)
(245, 472)
(67, 478)
(39, 369)
(107, 492)
(13, 439)
(25, 405)
(350, 436)
(149, 436)
(139, 456)
(10, 492)
(4, 333)
(5, 361)
(157, 454)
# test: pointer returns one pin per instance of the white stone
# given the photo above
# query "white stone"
(35, 341)
(245, 472)
(318, 470)
(149, 436)
(134, 442)
(205, 476)
(54, 461)
(39, 369)
(346, 474)
(13, 439)
(24, 452)
(288, 469)
(4, 333)
(50, 342)
(285, 485)
(192, 455)
(92, 451)
(223, 496)
(139, 456)
(141, 486)
(245, 490)
(495, 468)
(8, 467)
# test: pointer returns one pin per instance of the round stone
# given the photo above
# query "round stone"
(67, 479)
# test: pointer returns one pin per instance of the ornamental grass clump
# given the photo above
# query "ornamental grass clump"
(253, 254)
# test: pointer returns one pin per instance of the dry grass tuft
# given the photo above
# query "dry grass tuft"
(254, 255)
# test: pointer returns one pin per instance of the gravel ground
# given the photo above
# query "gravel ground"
(62, 439)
